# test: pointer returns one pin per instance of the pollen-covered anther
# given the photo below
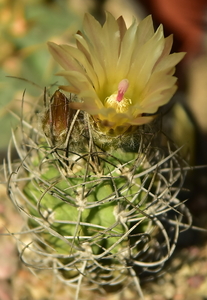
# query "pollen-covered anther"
(117, 100)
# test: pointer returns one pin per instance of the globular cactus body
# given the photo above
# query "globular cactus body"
(98, 214)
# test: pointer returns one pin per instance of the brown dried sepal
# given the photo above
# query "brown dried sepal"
(56, 120)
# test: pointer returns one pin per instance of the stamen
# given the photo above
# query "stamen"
(122, 88)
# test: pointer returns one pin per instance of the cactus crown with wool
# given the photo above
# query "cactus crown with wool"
(100, 196)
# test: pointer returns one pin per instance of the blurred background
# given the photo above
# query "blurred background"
(25, 27)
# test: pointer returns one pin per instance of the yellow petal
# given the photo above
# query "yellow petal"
(69, 89)
(127, 48)
(156, 86)
(111, 37)
(169, 62)
(145, 31)
(79, 56)
(92, 31)
(87, 106)
(158, 99)
(77, 80)
(145, 60)
(142, 120)
(63, 58)
(98, 68)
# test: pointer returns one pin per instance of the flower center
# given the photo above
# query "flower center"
(117, 100)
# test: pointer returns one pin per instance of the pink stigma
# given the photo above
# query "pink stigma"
(122, 88)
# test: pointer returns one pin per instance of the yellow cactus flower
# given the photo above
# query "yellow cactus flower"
(121, 76)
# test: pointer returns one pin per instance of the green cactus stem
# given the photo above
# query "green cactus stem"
(101, 211)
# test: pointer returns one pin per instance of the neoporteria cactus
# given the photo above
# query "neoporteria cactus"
(97, 184)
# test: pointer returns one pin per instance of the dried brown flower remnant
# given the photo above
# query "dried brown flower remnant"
(56, 119)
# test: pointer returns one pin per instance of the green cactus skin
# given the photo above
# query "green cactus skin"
(100, 209)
